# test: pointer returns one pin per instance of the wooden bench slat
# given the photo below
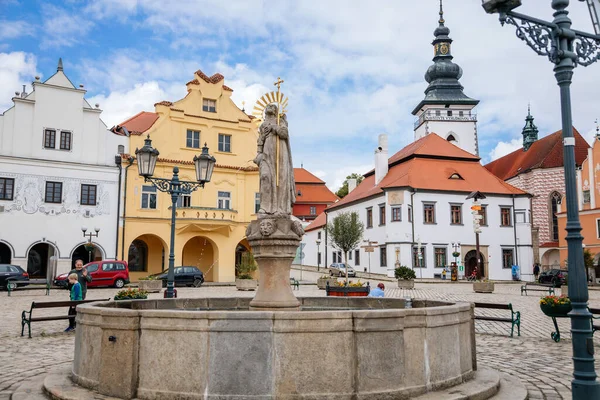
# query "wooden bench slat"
(493, 306)
(57, 317)
(493, 318)
(54, 304)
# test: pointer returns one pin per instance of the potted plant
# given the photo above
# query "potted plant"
(131, 294)
(455, 254)
(150, 284)
(406, 277)
(89, 246)
(348, 288)
(555, 306)
(483, 286)
(324, 280)
(244, 279)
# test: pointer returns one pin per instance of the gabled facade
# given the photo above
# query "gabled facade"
(420, 196)
(59, 171)
(537, 168)
(211, 223)
(312, 195)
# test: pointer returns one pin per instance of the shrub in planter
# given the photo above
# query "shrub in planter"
(150, 284)
(324, 280)
(244, 279)
(348, 288)
(405, 276)
(131, 294)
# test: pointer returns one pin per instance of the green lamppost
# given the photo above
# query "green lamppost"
(565, 48)
(204, 164)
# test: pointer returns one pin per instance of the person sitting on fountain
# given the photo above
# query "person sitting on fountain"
(378, 291)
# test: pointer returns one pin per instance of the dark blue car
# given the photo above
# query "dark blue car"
(12, 275)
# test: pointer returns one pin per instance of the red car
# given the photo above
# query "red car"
(103, 273)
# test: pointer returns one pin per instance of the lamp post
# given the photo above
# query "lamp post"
(476, 212)
(90, 246)
(204, 164)
(565, 48)
(318, 255)
(455, 254)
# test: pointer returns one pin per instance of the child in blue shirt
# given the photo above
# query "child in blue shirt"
(76, 295)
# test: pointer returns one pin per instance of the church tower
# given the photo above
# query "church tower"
(530, 131)
(446, 110)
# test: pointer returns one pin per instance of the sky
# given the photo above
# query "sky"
(352, 69)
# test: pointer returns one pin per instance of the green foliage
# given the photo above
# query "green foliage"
(246, 267)
(148, 278)
(343, 191)
(403, 272)
(345, 231)
(588, 259)
(131, 294)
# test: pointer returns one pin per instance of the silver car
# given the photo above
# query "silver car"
(339, 269)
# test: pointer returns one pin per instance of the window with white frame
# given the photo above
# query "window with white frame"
(192, 139)
(209, 105)
(88, 195)
(440, 257)
(224, 200)
(65, 140)
(224, 143)
(419, 262)
(256, 203)
(148, 197)
(313, 210)
(383, 256)
(507, 258)
(184, 200)
(396, 214)
(53, 192)
(7, 186)
(49, 139)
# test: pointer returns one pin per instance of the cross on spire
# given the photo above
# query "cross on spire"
(280, 81)
(441, 13)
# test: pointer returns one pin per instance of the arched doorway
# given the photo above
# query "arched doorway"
(471, 263)
(5, 254)
(146, 253)
(81, 253)
(201, 252)
(240, 249)
(38, 259)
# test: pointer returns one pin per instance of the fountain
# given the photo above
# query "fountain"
(275, 346)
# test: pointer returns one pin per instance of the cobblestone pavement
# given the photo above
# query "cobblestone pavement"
(540, 363)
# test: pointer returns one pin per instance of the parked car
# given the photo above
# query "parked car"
(103, 273)
(12, 275)
(184, 276)
(557, 277)
(339, 269)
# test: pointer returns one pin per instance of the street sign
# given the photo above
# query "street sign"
(369, 249)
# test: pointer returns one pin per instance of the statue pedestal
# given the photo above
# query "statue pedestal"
(274, 243)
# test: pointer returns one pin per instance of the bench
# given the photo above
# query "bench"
(42, 284)
(25, 320)
(531, 287)
(595, 326)
(515, 316)
(295, 283)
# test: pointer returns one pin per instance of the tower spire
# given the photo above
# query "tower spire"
(530, 131)
(60, 66)
(441, 21)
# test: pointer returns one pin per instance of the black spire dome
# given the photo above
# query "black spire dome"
(530, 131)
(444, 87)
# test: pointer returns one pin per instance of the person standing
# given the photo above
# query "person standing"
(75, 295)
(82, 277)
(536, 271)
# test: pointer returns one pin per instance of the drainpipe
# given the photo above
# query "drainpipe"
(412, 219)
(118, 161)
(515, 230)
(325, 265)
(130, 161)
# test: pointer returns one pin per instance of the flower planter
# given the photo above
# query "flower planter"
(556, 310)
(246, 284)
(348, 291)
(483, 287)
(322, 282)
(150, 286)
(406, 283)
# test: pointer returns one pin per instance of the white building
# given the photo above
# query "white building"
(419, 196)
(58, 172)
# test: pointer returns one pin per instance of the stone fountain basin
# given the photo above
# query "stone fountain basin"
(214, 348)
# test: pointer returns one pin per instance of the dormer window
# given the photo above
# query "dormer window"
(455, 176)
(209, 105)
(451, 138)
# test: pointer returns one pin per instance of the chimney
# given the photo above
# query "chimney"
(351, 184)
(23, 93)
(381, 159)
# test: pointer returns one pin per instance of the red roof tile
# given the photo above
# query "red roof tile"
(546, 152)
(311, 193)
(139, 123)
(163, 103)
(428, 164)
(317, 223)
(216, 78)
(303, 176)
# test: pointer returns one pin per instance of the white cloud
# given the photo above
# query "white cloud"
(63, 29)
(504, 148)
(16, 69)
(14, 29)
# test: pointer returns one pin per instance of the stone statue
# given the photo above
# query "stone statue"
(276, 198)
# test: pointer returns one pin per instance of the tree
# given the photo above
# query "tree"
(588, 261)
(345, 232)
(343, 191)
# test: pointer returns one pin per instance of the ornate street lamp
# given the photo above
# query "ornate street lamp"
(204, 164)
(318, 254)
(565, 48)
(89, 246)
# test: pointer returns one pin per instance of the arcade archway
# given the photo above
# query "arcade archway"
(147, 253)
(5, 254)
(471, 263)
(81, 253)
(39, 259)
(201, 252)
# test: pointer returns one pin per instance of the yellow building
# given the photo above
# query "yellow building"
(211, 223)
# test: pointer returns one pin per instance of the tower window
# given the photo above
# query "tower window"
(449, 112)
(451, 138)
(438, 113)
